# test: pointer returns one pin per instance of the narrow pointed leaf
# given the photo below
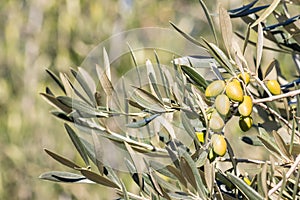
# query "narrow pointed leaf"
(85, 86)
(137, 164)
(62, 159)
(259, 46)
(104, 80)
(178, 175)
(249, 192)
(192, 173)
(186, 36)
(53, 101)
(98, 178)
(226, 29)
(209, 19)
(147, 100)
(65, 177)
(220, 56)
(62, 116)
(195, 76)
(162, 76)
(135, 64)
(80, 106)
(77, 143)
(284, 150)
(266, 13)
(56, 79)
(143, 122)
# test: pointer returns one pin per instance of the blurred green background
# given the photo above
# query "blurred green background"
(40, 34)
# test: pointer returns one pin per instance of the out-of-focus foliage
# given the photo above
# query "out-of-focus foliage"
(39, 34)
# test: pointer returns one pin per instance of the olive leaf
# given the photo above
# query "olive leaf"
(62, 159)
(266, 13)
(249, 192)
(57, 80)
(226, 29)
(77, 143)
(65, 177)
(98, 178)
(147, 100)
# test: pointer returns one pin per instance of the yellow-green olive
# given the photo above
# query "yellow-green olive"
(234, 91)
(274, 87)
(245, 108)
(219, 144)
(245, 123)
(245, 77)
(200, 136)
(214, 88)
(222, 104)
(211, 155)
(216, 122)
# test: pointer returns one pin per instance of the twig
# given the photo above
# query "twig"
(252, 161)
(131, 195)
(276, 97)
(263, 86)
(288, 174)
(278, 116)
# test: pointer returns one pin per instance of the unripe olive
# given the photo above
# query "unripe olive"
(245, 77)
(222, 104)
(219, 144)
(245, 108)
(214, 88)
(245, 123)
(234, 91)
(273, 87)
(216, 122)
(200, 136)
(212, 155)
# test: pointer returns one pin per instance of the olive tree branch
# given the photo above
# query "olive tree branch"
(265, 107)
(276, 97)
(288, 174)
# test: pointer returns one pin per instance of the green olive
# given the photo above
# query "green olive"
(245, 108)
(211, 155)
(245, 123)
(273, 87)
(216, 122)
(234, 91)
(215, 88)
(222, 104)
(245, 77)
(219, 144)
(200, 136)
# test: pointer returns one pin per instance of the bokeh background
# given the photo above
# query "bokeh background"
(40, 34)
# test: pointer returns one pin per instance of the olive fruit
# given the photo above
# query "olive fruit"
(211, 155)
(245, 108)
(222, 104)
(214, 88)
(216, 122)
(219, 144)
(273, 87)
(234, 91)
(245, 77)
(200, 136)
(245, 123)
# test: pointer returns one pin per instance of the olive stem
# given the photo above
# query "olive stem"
(276, 97)
(288, 174)
(134, 196)
(245, 160)
(263, 86)
(278, 116)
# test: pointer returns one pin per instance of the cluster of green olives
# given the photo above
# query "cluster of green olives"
(226, 93)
